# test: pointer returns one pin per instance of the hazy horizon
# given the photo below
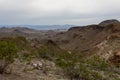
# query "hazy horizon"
(61, 12)
(40, 27)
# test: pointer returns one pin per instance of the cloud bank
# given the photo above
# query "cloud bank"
(77, 12)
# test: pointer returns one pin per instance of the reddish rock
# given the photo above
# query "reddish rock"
(115, 58)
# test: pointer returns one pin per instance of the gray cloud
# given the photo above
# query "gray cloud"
(78, 12)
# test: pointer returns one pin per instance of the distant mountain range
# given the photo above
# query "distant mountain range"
(41, 27)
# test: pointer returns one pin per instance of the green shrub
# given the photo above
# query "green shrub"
(19, 41)
(46, 52)
(8, 51)
(76, 66)
(98, 63)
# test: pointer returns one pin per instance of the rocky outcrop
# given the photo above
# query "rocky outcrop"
(108, 22)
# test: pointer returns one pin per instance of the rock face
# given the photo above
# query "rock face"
(108, 22)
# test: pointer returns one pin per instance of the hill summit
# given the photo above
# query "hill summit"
(108, 22)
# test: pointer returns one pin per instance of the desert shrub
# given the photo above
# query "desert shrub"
(19, 41)
(89, 68)
(9, 46)
(46, 52)
(76, 66)
(98, 63)
(49, 51)
(7, 54)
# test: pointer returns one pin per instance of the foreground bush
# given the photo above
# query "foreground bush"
(8, 51)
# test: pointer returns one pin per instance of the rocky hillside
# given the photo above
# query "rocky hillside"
(82, 53)
(91, 37)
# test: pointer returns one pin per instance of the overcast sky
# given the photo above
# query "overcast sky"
(77, 12)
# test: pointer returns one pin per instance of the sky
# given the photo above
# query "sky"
(50, 12)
